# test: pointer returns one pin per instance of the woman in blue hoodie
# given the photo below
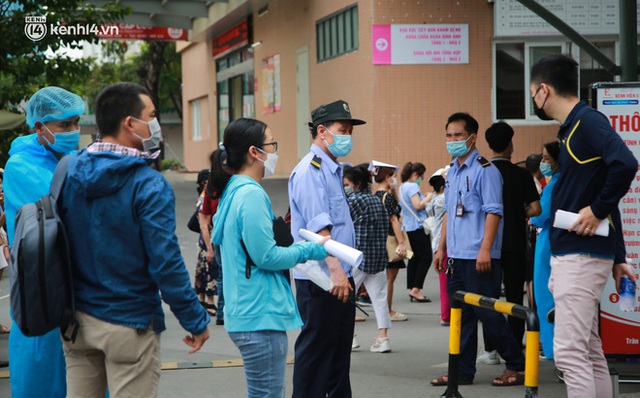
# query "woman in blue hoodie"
(542, 268)
(259, 305)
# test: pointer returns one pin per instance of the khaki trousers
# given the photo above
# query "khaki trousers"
(120, 357)
(577, 282)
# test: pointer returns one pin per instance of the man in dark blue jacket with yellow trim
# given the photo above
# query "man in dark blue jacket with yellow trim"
(597, 170)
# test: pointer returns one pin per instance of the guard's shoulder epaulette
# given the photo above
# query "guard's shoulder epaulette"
(316, 162)
(483, 161)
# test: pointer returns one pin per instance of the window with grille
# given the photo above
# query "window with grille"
(337, 34)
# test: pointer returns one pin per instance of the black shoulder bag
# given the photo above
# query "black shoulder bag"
(282, 235)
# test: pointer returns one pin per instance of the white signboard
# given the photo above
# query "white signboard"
(588, 17)
(620, 330)
(420, 44)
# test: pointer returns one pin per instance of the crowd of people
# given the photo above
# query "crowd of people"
(474, 224)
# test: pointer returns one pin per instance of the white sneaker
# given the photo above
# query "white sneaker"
(380, 345)
(488, 358)
(355, 345)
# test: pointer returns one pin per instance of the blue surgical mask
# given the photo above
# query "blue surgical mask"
(64, 142)
(418, 181)
(341, 144)
(546, 170)
(348, 190)
(458, 148)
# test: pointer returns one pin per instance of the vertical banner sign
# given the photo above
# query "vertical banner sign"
(420, 44)
(271, 101)
(620, 331)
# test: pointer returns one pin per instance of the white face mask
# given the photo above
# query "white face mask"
(153, 142)
(269, 164)
(393, 183)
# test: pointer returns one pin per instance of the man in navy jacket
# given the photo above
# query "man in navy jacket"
(596, 171)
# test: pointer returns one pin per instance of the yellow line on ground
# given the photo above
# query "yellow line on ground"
(230, 363)
(222, 363)
(169, 365)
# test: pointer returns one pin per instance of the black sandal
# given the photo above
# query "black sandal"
(211, 308)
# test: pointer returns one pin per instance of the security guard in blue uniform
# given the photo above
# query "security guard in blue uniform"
(319, 204)
(472, 237)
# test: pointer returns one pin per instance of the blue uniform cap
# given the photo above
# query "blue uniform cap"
(53, 103)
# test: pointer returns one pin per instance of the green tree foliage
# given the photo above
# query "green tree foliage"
(157, 67)
(26, 66)
(160, 72)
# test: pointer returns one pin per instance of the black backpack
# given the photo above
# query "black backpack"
(40, 278)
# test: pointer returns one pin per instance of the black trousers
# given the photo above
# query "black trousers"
(465, 277)
(418, 266)
(323, 348)
(514, 275)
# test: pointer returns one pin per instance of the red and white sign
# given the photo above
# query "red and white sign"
(420, 44)
(231, 39)
(141, 32)
(620, 331)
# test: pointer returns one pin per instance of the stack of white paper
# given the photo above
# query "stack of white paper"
(565, 219)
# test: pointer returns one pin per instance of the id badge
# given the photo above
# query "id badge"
(459, 210)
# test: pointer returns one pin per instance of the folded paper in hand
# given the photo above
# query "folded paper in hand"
(565, 219)
(343, 252)
(312, 270)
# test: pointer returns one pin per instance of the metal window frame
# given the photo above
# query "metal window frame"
(337, 33)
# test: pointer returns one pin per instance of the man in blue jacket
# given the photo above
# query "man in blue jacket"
(37, 363)
(596, 171)
(120, 219)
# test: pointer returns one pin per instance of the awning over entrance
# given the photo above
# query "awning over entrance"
(10, 120)
(163, 13)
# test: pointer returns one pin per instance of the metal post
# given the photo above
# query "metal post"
(532, 358)
(629, 40)
(615, 382)
(455, 325)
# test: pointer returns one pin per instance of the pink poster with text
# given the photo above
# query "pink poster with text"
(420, 44)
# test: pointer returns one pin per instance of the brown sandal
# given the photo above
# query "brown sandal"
(509, 378)
(444, 380)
